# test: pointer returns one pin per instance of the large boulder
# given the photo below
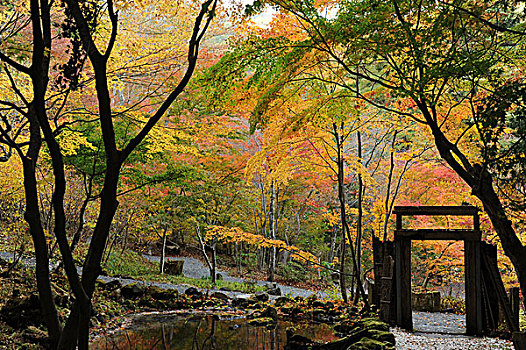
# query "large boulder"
(273, 289)
(109, 285)
(425, 301)
(22, 312)
(270, 312)
(162, 294)
(133, 290)
(370, 344)
(261, 296)
(220, 296)
(280, 301)
(243, 300)
(174, 267)
(193, 292)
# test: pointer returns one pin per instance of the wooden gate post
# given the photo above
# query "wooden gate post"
(404, 315)
(473, 288)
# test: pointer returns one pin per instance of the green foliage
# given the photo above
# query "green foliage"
(502, 123)
(455, 305)
(294, 272)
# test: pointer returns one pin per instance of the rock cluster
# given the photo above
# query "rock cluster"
(357, 330)
(358, 334)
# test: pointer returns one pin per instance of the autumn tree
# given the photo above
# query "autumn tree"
(31, 115)
(432, 63)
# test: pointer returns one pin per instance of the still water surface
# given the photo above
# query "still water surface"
(207, 332)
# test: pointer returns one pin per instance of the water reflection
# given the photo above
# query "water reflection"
(207, 333)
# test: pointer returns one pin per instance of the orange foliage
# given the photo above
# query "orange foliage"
(237, 235)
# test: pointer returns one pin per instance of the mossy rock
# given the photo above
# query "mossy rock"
(22, 312)
(132, 291)
(261, 296)
(162, 294)
(220, 296)
(270, 312)
(346, 327)
(110, 285)
(174, 267)
(373, 323)
(370, 344)
(262, 321)
(383, 336)
(280, 301)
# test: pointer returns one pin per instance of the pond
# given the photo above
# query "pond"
(175, 331)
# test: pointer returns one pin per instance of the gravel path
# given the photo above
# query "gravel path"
(443, 331)
(433, 341)
(439, 322)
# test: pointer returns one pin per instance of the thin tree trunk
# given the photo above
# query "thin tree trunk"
(213, 273)
(388, 190)
(358, 252)
(32, 217)
(341, 198)
(82, 213)
(163, 252)
(272, 232)
(203, 250)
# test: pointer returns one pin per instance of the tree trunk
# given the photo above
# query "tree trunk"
(388, 190)
(163, 252)
(359, 230)
(343, 215)
(32, 217)
(203, 250)
(481, 183)
(272, 232)
(213, 272)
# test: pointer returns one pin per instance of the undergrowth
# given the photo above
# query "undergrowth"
(454, 305)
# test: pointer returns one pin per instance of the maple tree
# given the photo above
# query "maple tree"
(427, 62)
(92, 35)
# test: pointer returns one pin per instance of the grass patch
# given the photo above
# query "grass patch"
(134, 265)
(205, 283)
(129, 263)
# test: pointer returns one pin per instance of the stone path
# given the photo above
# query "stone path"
(439, 322)
(443, 331)
(433, 341)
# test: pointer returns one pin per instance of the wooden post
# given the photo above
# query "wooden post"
(404, 316)
(386, 307)
(514, 303)
(378, 258)
(473, 288)
(492, 300)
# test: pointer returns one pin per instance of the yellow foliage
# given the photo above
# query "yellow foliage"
(237, 235)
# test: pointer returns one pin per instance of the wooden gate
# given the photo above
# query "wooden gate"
(484, 287)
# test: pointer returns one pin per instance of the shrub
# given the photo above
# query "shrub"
(454, 305)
